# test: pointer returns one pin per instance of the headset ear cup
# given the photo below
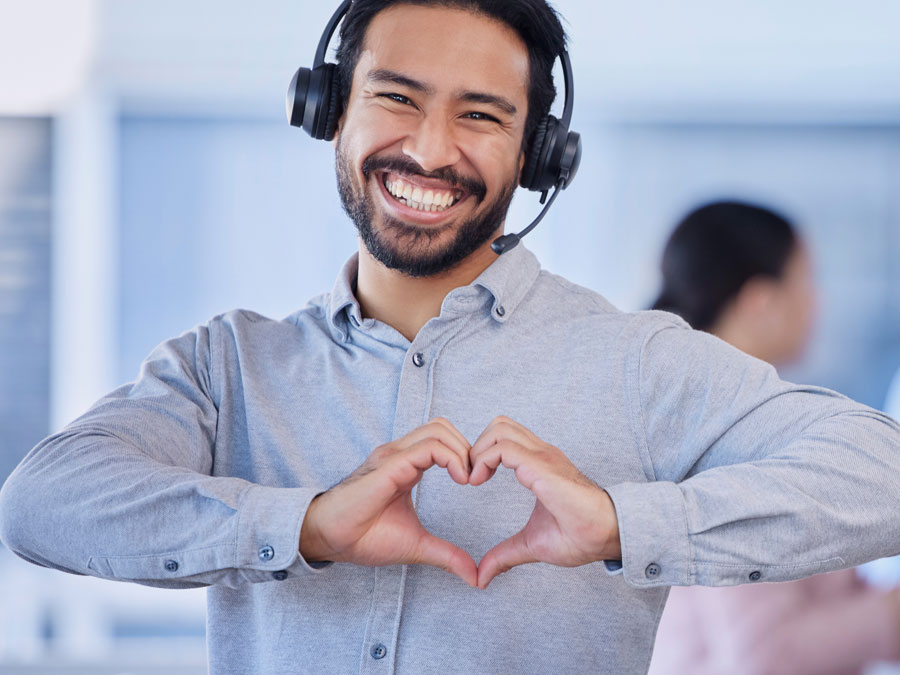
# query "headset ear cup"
(547, 170)
(314, 101)
(317, 105)
(335, 105)
(295, 103)
(533, 154)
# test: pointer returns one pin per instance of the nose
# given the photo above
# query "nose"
(432, 144)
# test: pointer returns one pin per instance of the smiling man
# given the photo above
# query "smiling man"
(285, 464)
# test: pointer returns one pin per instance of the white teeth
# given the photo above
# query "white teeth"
(419, 199)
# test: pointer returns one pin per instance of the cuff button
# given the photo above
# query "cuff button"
(172, 565)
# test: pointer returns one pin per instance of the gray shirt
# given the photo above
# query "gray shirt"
(200, 472)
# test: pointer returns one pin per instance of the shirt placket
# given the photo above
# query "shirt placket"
(383, 625)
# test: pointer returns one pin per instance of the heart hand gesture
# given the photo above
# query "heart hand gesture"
(369, 519)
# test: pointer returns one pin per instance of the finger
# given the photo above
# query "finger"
(425, 454)
(436, 428)
(483, 475)
(485, 466)
(461, 446)
(503, 557)
(444, 555)
(510, 454)
(503, 428)
(443, 421)
(442, 430)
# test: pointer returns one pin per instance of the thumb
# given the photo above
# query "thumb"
(441, 553)
(503, 557)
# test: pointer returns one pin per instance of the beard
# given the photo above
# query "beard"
(411, 249)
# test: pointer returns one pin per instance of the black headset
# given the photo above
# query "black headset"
(551, 160)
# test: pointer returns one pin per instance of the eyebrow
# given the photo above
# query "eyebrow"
(384, 75)
(488, 99)
(393, 77)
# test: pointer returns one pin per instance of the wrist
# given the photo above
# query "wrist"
(611, 548)
(312, 545)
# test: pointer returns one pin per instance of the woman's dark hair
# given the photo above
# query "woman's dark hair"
(714, 251)
(533, 20)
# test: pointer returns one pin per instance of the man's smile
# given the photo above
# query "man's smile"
(420, 199)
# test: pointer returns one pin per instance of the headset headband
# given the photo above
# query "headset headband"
(329, 32)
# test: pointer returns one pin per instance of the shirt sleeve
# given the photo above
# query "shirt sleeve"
(126, 492)
(753, 478)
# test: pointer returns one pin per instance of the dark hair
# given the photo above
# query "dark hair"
(714, 251)
(536, 22)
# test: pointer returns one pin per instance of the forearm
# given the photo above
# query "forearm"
(93, 504)
(753, 478)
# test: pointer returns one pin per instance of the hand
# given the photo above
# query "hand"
(574, 520)
(369, 519)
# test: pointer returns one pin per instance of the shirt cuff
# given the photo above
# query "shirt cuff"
(653, 532)
(268, 538)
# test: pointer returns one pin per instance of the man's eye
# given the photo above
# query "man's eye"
(481, 116)
(398, 98)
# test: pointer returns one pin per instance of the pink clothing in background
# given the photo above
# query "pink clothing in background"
(829, 624)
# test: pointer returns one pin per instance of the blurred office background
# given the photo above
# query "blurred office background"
(148, 180)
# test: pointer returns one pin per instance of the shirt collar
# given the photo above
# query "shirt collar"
(508, 279)
(343, 297)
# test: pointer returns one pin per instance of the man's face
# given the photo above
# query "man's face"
(428, 151)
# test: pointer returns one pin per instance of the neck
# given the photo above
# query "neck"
(407, 303)
(742, 332)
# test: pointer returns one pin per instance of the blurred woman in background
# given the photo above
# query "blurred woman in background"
(740, 272)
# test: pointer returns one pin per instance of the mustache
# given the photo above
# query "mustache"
(405, 165)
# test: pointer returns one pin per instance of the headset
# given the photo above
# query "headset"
(551, 160)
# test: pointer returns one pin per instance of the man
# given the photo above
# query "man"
(628, 436)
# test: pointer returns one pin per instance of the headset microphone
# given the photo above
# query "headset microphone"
(551, 158)
(505, 242)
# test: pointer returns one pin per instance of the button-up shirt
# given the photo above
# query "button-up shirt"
(201, 471)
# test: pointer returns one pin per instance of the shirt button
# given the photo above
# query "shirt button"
(418, 359)
(755, 576)
(172, 565)
(378, 652)
(266, 553)
(280, 575)
(652, 571)
(500, 310)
